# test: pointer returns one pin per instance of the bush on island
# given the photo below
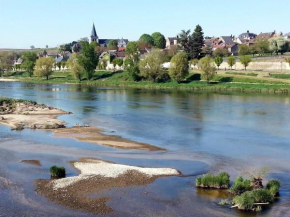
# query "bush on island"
(273, 186)
(57, 172)
(221, 180)
(251, 200)
(240, 186)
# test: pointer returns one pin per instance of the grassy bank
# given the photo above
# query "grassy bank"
(226, 83)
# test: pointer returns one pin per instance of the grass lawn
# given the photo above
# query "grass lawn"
(193, 82)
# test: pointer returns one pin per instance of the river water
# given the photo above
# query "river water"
(202, 132)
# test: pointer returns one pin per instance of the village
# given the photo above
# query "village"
(109, 50)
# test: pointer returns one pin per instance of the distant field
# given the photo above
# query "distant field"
(37, 50)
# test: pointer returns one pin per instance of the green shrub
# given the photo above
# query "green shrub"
(240, 186)
(224, 202)
(273, 186)
(262, 196)
(213, 181)
(245, 201)
(248, 200)
(57, 172)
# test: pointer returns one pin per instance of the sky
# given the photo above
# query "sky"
(46, 22)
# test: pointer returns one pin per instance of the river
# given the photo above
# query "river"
(202, 132)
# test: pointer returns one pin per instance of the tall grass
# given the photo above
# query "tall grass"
(221, 180)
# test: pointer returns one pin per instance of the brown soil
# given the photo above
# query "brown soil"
(33, 162)
(96, 135)
(77, 196)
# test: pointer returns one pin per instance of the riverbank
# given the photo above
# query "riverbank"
(74, 192)
(222, 82)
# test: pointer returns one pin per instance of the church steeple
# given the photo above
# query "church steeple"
(94, 36)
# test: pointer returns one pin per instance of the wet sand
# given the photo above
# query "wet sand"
(32, 162)
(96, 135)
(97, 176)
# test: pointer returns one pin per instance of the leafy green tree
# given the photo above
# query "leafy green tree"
(63, 64)
(151, 67)
(119, 62)
(231, 61)
(244, 49)
(132, 60)
(221, 52)
(113, 45)
(76, 69)
(32, 47)
(88, 59)
(29, 59)
(65, 47)
(218, 61)
(197, 43)
(185, 40)
(245, 61)
(207, 67)
(179, 67)
(278, 45)
(262, 47)
(58, 64)
(43, 67)
(6, 61)
(94, 44)
(147, 39)
(159, 40)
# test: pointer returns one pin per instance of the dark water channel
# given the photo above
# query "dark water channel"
(201, 131)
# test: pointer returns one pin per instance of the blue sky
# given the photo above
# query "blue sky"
(46, 22)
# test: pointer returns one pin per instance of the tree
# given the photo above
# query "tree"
(207, 67)
(244, 49)
(151, 67)
(76, 69)
(278, 45)
(88, 59)
(84, 39)
(197, 43)
(58, 64)
(132, 60)
(46, 46)
(113, 45)
(159, 40)
(262, 46)
(65, 47)
(32, 47)
(63, 64)
(179, 67)
(6, 61)
(94, 44)
(231, 61)
(245, 61)
(185, 39)
(221, 52)
(218, 61)
(43, 67)
(29, 59)
(147, 39)
(194, 62)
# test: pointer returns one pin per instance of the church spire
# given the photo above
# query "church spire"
(94, 33)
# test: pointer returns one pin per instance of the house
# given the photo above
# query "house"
(226, 42)
(287, 36)
(171, 41)
(266, 35)
(246, 38)
(105, 42)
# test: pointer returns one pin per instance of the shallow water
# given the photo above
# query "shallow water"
(201, 131)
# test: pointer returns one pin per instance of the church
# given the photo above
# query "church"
(104, 42)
